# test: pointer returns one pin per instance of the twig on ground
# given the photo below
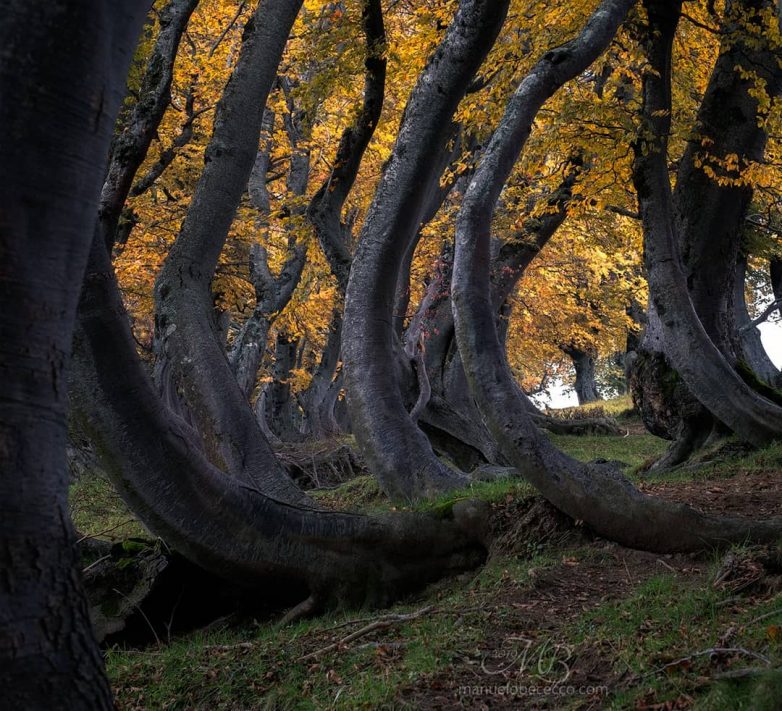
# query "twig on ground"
(379, 624)
(93, 564)
(108, 530)
(773, 613)
(709, 652)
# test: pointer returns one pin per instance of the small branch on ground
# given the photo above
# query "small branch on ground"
(379, 624)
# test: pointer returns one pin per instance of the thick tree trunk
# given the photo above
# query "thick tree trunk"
(667, 406)
(584, 365)
(708, 220)
(394, 447)
(250, 538)
(709, 375)
(62, 78)
(709, 214)
(185, 323)
(595, 494)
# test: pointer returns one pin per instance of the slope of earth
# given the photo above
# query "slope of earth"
(556, 619)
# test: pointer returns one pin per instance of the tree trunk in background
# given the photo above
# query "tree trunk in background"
(62, 79)
(272, 293)
(325, 209)
(279, 410)
(319, 398)
(584, 365)
(185, 321)
(595, 494)
(394, 448)
(131, 146)
(751, 353)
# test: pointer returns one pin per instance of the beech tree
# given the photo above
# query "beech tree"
(347, 230)
(62, 79)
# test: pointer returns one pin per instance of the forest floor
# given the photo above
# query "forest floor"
(556, 619)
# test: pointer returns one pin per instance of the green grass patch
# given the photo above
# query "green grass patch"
(658, 635)
(97, 510)
(633, 449)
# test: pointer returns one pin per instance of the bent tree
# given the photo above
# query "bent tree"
(264, 527)
(594, 493)
(62, 78)
(683, 397)
(396, 450)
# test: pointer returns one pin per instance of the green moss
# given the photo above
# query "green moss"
(748, 376)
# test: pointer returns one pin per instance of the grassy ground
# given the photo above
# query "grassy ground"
(553, 620)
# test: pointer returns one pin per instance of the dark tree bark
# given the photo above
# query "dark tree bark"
(319, 399)
(451, 420)
(394, 447)
(272, 292)
(584, 365)
(325, 209)
(708, 217)
(595, 494)
(185, 321)
(279, 406)
(131, 146)
(775, 274)
(710, 376)
(62, 78)
(229, 527)
(751, 350)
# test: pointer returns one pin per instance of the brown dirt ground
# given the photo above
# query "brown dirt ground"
(557, 596)
(755, 494)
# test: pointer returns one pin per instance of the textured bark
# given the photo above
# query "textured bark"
(226, 526)
(710, 377)
(62, 78)
(751, 349)
(131, 146)
(396, 451)
(272, 293)
(186, 328)
(584, 365)
(709, 216)
(707, 219)
(325, 209)
(595, 494)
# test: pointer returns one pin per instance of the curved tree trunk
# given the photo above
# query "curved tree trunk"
(394, 447)
(710, 376)
(325, 209)
(62, 79)
(708, 216)
(131, 146)
(272, 293)
(751, 349)
(595, 494)
(251, 537)
(185, 323)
